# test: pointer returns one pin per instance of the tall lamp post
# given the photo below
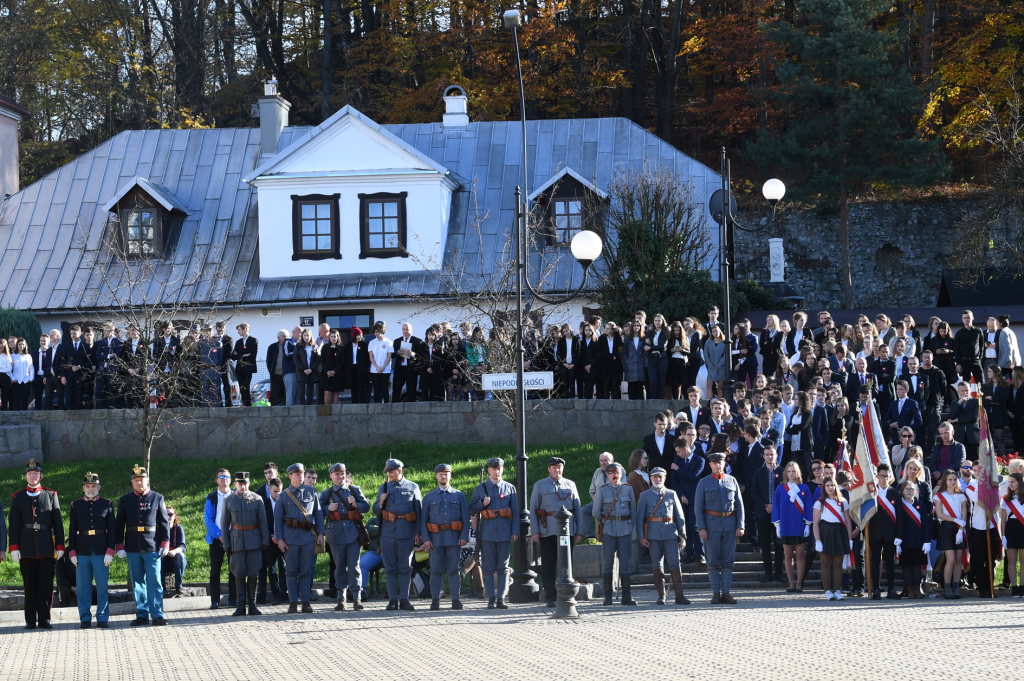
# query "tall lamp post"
(723, 211)
(586, 248)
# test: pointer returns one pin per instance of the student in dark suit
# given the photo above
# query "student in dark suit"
(586, 368)
(903, 412)
(355, 365)
(53, 387)
(105, 352)
(133, 370)
(771, 345)
(882, 535)
(695, 410)
(609, 364)
(965, 418)
(307, 367)
(433, 366)
(918, 388)
(686, 472)
(763, 481)
(822, 415)
(408, 354)
(74, 363)
(273, 559)
(1015, 406)
(659, 444)
(800, 430)
(225, 362)
(567, 356)
(745, 344)
(885, 369)
(41, 372)
(245, 353)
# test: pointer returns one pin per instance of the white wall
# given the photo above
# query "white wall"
(8, 154)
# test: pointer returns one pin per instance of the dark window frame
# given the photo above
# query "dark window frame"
(567, 188)
(298, 252)
(323, 314)
(553, 207)
(364, 226)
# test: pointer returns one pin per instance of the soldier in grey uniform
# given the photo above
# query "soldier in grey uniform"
(549, 495)
(344, 505)
(298, 525)
(497, 504)
(718, 510)
(245, 536)
(661, 526)
(399, 506)
(614, 510)
(445, 527)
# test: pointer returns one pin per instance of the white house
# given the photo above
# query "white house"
(337, 223)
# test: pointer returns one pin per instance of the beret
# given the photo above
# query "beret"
(556, 461)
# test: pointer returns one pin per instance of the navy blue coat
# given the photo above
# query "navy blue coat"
(684, 480)
(910, 416)
(91, 529)
(913, 537)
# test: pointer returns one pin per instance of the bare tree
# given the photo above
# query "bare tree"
(991, 233)
(132, 286)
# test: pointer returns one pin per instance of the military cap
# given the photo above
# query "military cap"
(139, 472)
(242, 476)
(335, 467)
(33, 465)
(657, 471)
(716, 456)
(393, 465)
(296, 468)
(556, 461)
(495, 462)
(615, 465)
(91, 479)
(443, 467)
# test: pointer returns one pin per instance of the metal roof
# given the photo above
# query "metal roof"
(50, 231)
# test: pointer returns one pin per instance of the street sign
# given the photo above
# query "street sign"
(532, 380)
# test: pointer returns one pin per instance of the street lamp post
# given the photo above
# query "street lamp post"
(586, 248)
(723, 211)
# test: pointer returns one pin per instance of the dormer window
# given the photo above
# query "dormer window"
(315, 227)
(145, 218)
(562, 202)
(382, 229)
(141, 231)
(568, 217)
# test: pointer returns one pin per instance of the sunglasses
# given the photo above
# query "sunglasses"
(223, 477)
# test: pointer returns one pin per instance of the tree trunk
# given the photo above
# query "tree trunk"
(927, 37)
(325, 75)
(844, 242)
(627, 58)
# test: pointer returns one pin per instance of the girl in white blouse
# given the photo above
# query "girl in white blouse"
(380, 350)
(6, 376)
(22, 376)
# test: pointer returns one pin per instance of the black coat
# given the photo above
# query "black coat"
(657, 459)
(42, 509)
(609, 362)
(91, 529)
(882, 527)
(965, 418)
(923, 391)
(70, 357)
(249, 347)
(762, 487)
(853, 387)
(299, 357)
(561, 352)
(588, 357)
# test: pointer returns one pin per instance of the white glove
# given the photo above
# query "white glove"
(926, 547)
(162, 552)
(960, 537)
(778, 527)
(15, 556)
(898, 542)
(1004, 542)
(107, 560)
(961, 523)
(851, 545)
(59, 554)
(818, 546)
(121, 554)
(74, 560)
(899, 551)
(807, 531)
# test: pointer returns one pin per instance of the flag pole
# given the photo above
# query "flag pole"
(991, 564)
(867, 560)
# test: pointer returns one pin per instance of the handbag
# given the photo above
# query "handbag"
(317, 548)
(363, 537)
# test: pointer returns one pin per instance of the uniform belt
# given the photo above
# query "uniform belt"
(720, 514)
(492, 514)
(36, 526)
(245, 528)
(454, 525)
(298, 524)
(619, 517)
(392, 517)
(92, 533)
(661, 519)
(141, 528)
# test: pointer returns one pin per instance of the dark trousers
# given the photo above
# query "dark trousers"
(37, 574)
(74, 392)
(972, 369)
(277, 390)
(585, 384)
(881, 550)
(769, 544)
(979, 556)
(930, 427)
(102, 392)
(405, 377)
(307, 392)
(173, 565)
(549, 565)
(360, 386)
(433, 385)
(636, 390)
(37, 392)
(225, 384)
(751, 529)
(694, 544)
(747, 370)
(609, 388)
(566, 383)
(216, 562)
(272, 569)
(6, 393)
(244, 381)
(380, 388)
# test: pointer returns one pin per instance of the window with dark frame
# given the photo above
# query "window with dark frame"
(382, 225)
(568, 217)
(141, 231)
(315, 227)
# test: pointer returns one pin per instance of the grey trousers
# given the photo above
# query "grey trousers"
(721, 556)
(494, 556)
(588, 520)
(610, 546)
(667, 549)
(346, 560)
(244, 564)
(444, 560)
(397, 556)
(298, 564)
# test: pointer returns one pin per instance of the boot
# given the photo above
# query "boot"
(491, 603)
(341, 604)
(293, 608)
(677, 584)
(608, 592)
(356, 603)
(404, 604)
(956, 590)
(659, 585)
(240, 610)
(435, 604)
(251, 591)
(948, 591)
(626, 596)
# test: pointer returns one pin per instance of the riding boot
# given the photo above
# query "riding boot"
(677, 584)
(608, 594)
(626, 596)
(659, 585)
(251, 590)
(240, 585)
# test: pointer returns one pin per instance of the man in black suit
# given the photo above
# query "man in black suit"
(903, 413)
(133, 370)
(885, 369)
(695, 411)
(244, 354)
(166, 353)
(53, 385)
(820, 414)
(659, 445)
(936, 398)
(763, 481)
(407, 350)
(919, 390)
(41, 370)
(273, 559)
(105, 351)
(860, 376)
(841, 366)
(73, 364)
(225, 359)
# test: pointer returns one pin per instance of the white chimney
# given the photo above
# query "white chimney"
(10, 116)
(273, 118)
(456, 114)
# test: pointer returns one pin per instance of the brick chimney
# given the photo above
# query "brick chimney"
(10, 116)
(456, 112)
(273, 118)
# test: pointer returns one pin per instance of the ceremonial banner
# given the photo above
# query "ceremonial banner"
(988, 478)
(870, 451)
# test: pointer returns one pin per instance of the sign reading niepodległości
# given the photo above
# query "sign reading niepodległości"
(532, 380)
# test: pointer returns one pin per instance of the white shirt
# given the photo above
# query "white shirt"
(22, 369)
(611, 344)
(568, 351)
(355, 352)
(219, 514)
(6, 364)
(660, 441)
(991, 352)
(398, 345)
(379, 350)
(41, 353)
(899, 409)
(977, 521)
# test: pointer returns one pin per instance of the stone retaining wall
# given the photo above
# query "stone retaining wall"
(257, 431)
(19, 443)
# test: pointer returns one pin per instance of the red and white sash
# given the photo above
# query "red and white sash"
(794, 496)
(830, 506)
(887, 506)
(950, 511)
(914, 514)
(1016, 509)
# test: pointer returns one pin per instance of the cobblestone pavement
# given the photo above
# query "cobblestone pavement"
(765, 636)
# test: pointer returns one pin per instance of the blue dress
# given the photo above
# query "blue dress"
(785, 510)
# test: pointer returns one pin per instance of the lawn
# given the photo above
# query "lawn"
(185, 483)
